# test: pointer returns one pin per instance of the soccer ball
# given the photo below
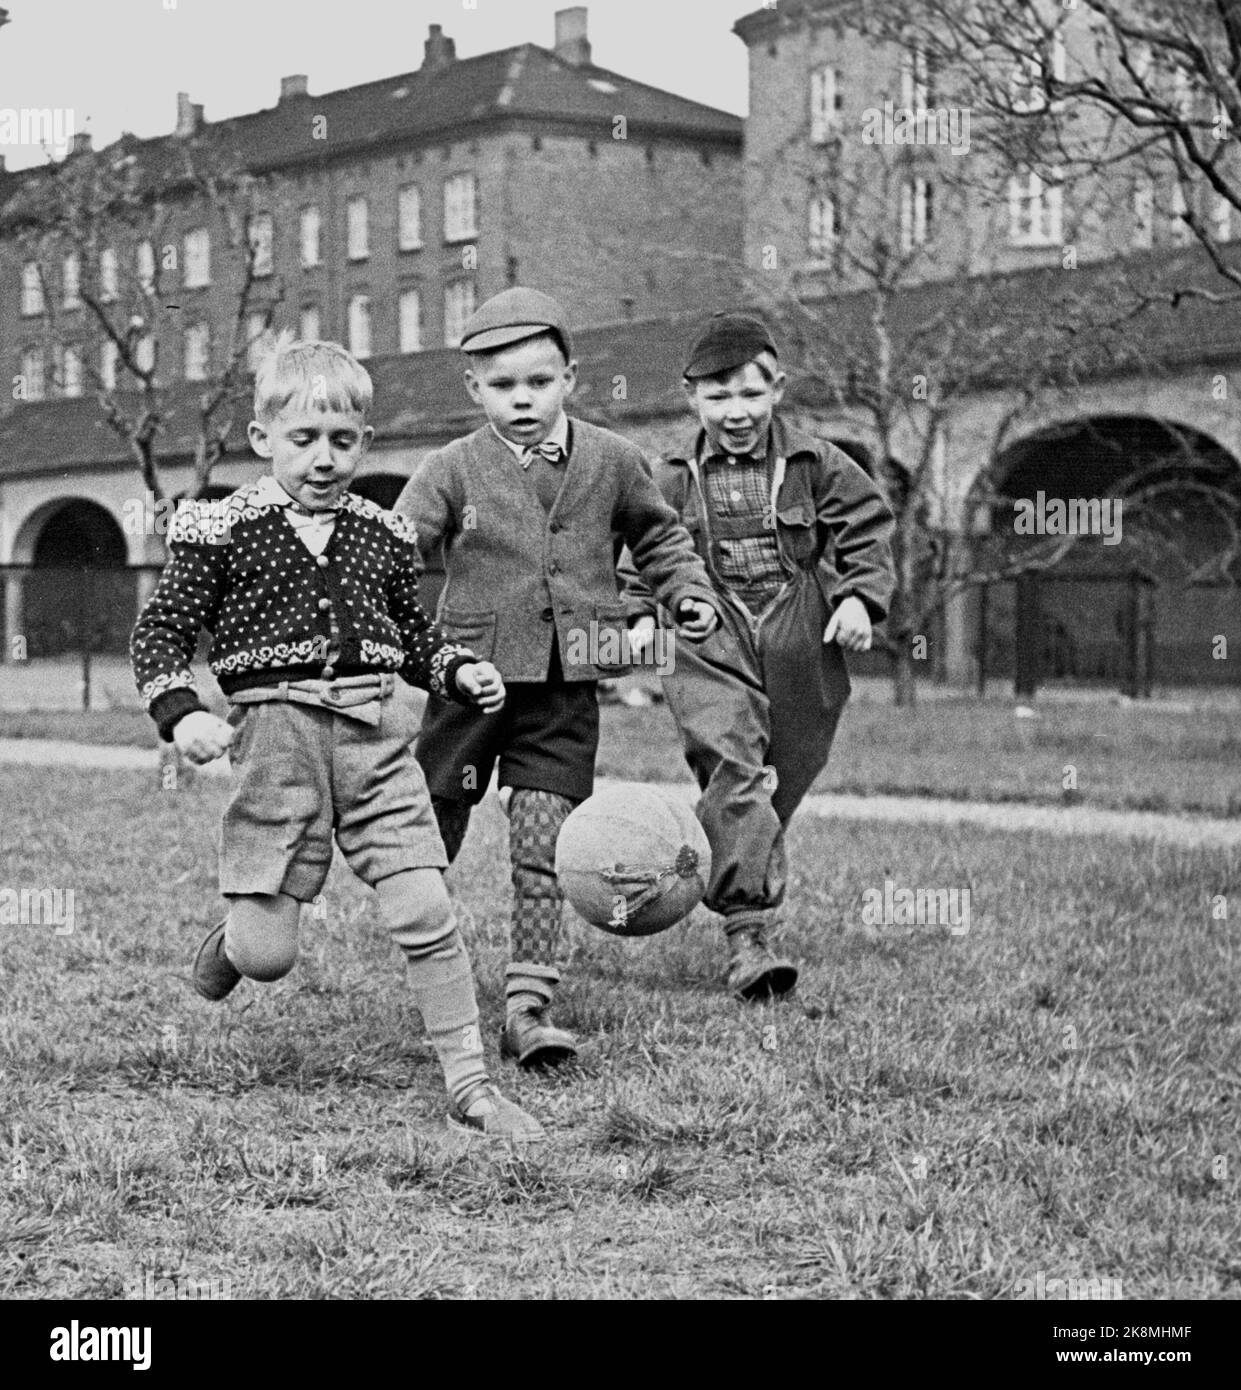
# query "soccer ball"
(633, 860)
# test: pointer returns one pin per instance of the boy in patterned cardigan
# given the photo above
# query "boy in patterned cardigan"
(310, 594)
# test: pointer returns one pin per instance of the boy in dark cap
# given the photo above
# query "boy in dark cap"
(796, 539)
(531, 510)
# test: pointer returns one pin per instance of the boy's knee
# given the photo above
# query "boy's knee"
(417, 908)
(261, 936)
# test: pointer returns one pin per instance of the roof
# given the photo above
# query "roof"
(421, 398)
(760, 24)
(456, 100)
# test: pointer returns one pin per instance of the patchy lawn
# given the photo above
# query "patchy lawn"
(1053, 1091)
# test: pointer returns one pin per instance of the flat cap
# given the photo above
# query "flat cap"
(727, 342)
(513, 316)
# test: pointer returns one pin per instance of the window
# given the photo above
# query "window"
(109, 354)
(824, 228)
(360, 326)
(459, 211)
(409, 218)
(410, 308)
(1035, 211)
(917, 213)
(309, 328)
(197, 352)
(1032, 74)
(458, 306)
(915, 80)
(262, 234)
(32, 372)
(197, 258)
(146, 267)
(1179, 231)
(71, 371)
(310, 237)
(32, 289)
(1182, 98)
(359, 230)
(1143, 212)
(108, 275)
(1221, 218)
(258, 339)
(71, 281)
(825, 105)
(144, 355)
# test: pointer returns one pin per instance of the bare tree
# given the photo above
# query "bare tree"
(102, 230)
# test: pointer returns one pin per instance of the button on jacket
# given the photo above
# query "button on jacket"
(517, 573)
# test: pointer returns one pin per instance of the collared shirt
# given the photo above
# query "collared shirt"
(314, 529)
(545, 475)
(737, 488)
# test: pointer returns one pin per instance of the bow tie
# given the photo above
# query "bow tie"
(553, 453)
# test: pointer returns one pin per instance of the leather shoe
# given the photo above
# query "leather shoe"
(215, 976)
(754, 971)
(532, 1042)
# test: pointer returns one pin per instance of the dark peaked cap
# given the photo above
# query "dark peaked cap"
(511, 317)
(729, 341)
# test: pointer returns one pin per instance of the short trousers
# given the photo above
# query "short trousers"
(545, 739)
(303, 774)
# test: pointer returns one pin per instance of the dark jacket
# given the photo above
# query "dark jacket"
(516, 574)
(830, 519)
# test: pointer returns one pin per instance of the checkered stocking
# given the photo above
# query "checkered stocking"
(535, 818)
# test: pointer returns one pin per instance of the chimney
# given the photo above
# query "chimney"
(3, 164)
(439, 50)
(81, 142)
(189, 115)
(572, 45)
(294, 86)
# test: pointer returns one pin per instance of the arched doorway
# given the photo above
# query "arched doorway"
(79, 593)
(1150, 578)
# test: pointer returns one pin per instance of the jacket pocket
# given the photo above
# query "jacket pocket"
(474, 630)
(798, 531)
(610, 647)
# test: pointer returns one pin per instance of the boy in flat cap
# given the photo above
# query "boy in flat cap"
(532, 510)
(796, 539)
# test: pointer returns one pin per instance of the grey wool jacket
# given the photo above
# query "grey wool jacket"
(517, 574)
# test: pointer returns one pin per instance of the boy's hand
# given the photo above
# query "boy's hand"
(202, 737)
(641, 635)
(850, 626)
(482, 682)
(701, 622)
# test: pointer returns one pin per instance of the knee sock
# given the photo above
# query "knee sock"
(440, 977)
(535, 818)
(453, 819)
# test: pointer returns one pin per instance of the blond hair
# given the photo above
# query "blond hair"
(321, 374)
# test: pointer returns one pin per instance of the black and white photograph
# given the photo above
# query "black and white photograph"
(620, 663)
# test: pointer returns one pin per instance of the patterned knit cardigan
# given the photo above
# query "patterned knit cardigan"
(238, 569)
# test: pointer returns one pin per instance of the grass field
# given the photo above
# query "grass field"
(1123, 756)
(1053, 1092)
